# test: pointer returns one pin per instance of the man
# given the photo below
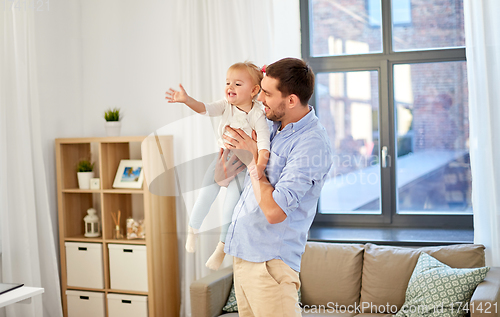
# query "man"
(268, 232)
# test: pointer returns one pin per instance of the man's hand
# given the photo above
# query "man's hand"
(243, 146)
(226, 170)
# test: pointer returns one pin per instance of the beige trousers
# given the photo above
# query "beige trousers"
(266, 288)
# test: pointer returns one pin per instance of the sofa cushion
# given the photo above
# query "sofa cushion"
(331, 272)
(387, 270)
(435, 289)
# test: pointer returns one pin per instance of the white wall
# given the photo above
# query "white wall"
(128, 62)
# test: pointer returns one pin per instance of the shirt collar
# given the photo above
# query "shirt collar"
(296, 126)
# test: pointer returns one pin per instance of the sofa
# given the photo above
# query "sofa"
(366, 275)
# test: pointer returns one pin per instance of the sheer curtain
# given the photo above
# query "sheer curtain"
(482, 31)
(212, 36)
(28, 243)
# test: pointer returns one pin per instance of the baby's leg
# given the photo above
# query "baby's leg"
(233, 193)
(215, 260)
(205, 199)
(246, 157)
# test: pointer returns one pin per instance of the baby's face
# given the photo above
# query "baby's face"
(239, 87)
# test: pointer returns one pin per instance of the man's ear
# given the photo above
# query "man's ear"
(293, 101)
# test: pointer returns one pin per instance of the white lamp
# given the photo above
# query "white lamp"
(92, 228)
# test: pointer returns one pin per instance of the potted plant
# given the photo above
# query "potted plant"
(113, 124)
(85, 171)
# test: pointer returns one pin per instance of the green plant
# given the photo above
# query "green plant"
(84, 165)
(112, 114)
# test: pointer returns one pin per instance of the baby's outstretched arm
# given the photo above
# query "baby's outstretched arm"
(182, 96)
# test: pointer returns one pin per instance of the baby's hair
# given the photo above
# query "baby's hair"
(254, 71)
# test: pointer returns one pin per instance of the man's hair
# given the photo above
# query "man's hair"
(294, 77)
(251, 68)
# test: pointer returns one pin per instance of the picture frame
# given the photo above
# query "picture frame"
(130, 174)
(95, 183)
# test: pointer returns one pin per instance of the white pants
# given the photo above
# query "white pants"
(209, 191)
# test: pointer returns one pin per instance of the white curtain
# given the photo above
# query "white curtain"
(482, 31)
(28, 242)
(211, 36)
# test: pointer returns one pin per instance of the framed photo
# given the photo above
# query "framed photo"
(130, 174)
(95, 183)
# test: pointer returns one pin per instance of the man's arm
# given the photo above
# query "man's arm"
(263, 190)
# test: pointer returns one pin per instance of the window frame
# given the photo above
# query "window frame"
(383, 63)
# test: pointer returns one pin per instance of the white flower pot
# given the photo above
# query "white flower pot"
(84, 179)
(113, 128)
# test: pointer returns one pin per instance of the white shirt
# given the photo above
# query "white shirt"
(255, 119)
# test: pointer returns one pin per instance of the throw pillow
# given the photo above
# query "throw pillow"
(435, 289)
(231, 304)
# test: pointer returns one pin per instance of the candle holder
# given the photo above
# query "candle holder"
(92, 225)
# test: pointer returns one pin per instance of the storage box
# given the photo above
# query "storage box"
(128, 267)
(84, 304)
(120, 305)
(84, 264)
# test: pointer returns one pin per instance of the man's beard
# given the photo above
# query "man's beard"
(278, 113)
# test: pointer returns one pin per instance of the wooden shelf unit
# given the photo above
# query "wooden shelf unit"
(159, 213)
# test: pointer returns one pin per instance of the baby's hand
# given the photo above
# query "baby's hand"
(177, 96)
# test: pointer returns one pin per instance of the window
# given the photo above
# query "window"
(391, 91)
(401, 12)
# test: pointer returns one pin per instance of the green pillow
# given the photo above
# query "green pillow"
(231, 305)
(435, 289)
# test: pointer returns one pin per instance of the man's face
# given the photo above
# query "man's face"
(271, 98)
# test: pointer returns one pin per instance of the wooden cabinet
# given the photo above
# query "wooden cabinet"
(158, 212)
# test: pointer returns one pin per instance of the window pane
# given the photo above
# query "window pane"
(432, 127)
(401, 12)
(347, 106)
(345, 27)
(427, 24)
